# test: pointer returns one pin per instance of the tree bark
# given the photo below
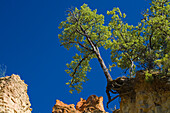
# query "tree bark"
(103, 66)
(101, 61)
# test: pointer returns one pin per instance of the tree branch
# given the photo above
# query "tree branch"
(87, 37)
(132, 64)
(73, 15)
(80, 32)
(123, 37)
(79, 44)
(75, 70)
(150, 41)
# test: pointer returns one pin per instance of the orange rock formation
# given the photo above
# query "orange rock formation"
(93, 104)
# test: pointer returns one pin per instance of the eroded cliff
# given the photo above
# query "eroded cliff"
(13, 95)
(141, 96)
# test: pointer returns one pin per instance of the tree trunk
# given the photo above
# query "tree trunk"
(103, 66)
(97, 52)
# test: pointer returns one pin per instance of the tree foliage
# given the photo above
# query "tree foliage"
(145, 46)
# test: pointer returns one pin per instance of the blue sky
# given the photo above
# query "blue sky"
(29, 47)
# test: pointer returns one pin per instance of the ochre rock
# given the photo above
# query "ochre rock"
(93, 104)
(60, 107)
(13, 95)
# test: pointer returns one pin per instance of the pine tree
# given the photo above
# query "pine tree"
(145, 46)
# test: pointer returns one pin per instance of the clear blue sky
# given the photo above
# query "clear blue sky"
(29, 47)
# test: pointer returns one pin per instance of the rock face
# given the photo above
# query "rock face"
(13, 95)
(60, 107)
(147, 97)
(93, 104)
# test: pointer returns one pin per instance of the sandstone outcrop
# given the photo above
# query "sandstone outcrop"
(93, 104)
(13, 95)
(141, 96)
(61, 107)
